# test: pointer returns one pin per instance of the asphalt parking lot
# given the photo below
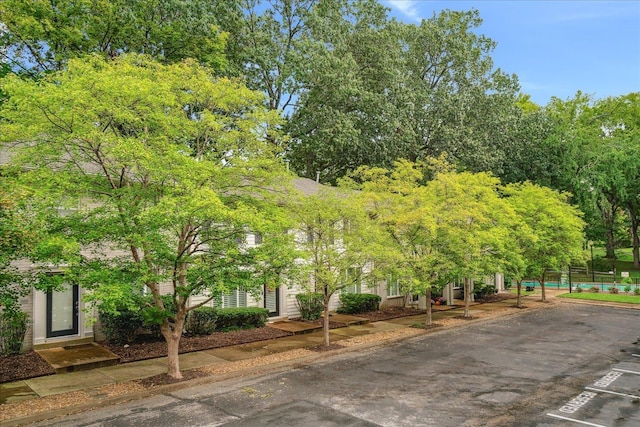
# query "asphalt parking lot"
(566, 365)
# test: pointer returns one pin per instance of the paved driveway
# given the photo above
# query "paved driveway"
(550, 367)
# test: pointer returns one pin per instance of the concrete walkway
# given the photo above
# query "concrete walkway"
(94, 378)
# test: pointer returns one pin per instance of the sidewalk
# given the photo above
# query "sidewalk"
(20, 401)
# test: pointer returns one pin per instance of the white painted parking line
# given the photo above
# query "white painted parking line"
(575, 421)
(635, 355)
(632, 396)
(626, 371)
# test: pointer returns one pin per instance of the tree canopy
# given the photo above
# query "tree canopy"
(164, 167)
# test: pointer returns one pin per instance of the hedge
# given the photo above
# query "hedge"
(121, 327)
(358, 303)
(201, 321)
(310, 305)
(230, 319)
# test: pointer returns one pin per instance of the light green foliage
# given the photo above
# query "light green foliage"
(338, 245)
(456, 225)
(406, 212)
(551, 237)
(166, 165)
(44, 35)
(474, 225)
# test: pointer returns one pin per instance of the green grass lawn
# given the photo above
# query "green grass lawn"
(629, 299)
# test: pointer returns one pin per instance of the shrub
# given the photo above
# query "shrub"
(627, 289)
(613, 290)
(310, 305)
(201, 321)
(358, 303)
(578, 289)
(120, 327)
(594, 289)
(626, 281)
(230, 319)
(483, 290)
(13, 327)
(636, 291)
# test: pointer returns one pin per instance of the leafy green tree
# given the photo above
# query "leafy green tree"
(389, 90)
(338, 245)
(554, 231)
(474, 225)
(43, 36)
(615, 172)
(15, 240)
(165, 168)
(402, 206)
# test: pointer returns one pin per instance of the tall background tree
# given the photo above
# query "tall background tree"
(42, 36)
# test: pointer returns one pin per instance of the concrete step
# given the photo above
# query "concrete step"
(80, 357)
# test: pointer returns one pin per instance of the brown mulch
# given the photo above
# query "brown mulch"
(151, 347)
(497, 297)
(23, 366)
(321, 348)
(162, 379)
(387, 313)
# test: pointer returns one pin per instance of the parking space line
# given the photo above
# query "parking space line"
(575, 421)
(626, 371)
(635, 355)
(612, 392)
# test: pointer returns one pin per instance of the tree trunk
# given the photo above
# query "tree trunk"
(607, 212)
(325, 324)
(544, 295)
(467, 296)
(429, 320)
(172, 336)
(635, 223)
(519, 287)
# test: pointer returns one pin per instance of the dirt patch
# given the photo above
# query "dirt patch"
(162, 379)
(23, 366)
(321, 348)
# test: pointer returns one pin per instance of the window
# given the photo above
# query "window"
(233, 299)
(257, 238)
(352, 274)
(393, 286)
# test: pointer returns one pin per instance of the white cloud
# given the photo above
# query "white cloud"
(407, 7)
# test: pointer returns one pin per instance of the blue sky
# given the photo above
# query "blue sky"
(554, 47)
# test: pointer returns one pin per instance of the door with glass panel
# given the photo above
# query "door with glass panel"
(62, 312)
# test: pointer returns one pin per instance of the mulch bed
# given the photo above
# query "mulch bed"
(23, 366)
(390, 313)
(153, 347)
(497, 297)
(162, 379)
(321, 348)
